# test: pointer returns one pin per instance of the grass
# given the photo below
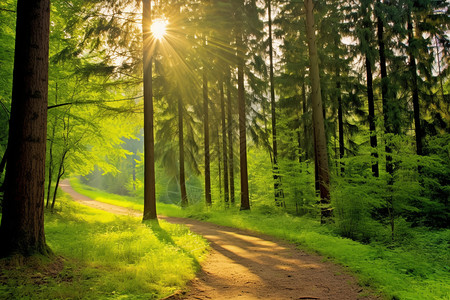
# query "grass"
(103, 256)
(416, 269)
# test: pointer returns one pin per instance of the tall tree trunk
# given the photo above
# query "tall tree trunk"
(306, 134)
(414, 87)
(276, 174)
(184, 198)
(50, 165)
(224, 144)
(245, 201)
(372, 128)
(386, 112)
(230, 139)
(206, 140)
(318, 119)
(22, 225)
(149, 141)
(340, 121)
(219, 160)
(61, 172)
(367, 25)
(384, 90)
(2, 167)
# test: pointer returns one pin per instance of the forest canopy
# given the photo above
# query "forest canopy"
(332, 109)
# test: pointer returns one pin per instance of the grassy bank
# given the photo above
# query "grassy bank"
(103, 256)
(418, 268)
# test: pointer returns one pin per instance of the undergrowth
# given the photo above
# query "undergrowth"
(416, 268)
(103, 256)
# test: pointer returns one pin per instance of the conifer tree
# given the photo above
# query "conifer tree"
(149, 169)
(320, 146)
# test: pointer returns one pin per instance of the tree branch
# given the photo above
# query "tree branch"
(92, 102)
(8, 10)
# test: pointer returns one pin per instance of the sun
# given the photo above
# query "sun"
(158, 28)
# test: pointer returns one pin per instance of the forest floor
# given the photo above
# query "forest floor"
(246, 265)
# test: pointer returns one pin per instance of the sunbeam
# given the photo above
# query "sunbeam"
(158, 28)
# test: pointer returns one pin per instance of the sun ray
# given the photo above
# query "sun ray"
(158, 28)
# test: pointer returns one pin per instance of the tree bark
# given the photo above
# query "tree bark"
(184, 198)
(22, 225)
(226, 196)
(206, 140)
(230, 140)
(318, 119)
(149, 140)
(245, 201)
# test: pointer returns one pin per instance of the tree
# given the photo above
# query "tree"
(230, 138)
(245, 201)
(22, 227)
(226, 195)
(182, 176)
(276, 175)
(320, 145)
(206, 138)
(149, 160)
(391, 122)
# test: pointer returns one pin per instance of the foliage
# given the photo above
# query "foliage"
(364, 204)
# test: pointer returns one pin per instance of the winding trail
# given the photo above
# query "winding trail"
(246, 265)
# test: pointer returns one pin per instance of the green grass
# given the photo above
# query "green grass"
(99, 195)
(416, 269)
(103, 256)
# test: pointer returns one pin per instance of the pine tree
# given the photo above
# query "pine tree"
(320, 146)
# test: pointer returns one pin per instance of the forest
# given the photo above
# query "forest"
(322, 123)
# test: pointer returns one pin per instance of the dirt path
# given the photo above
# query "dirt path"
(245, 265)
